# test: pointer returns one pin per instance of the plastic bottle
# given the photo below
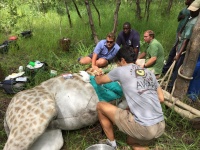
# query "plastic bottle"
(21, 69)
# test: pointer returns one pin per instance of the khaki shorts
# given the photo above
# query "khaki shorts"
(142, 135)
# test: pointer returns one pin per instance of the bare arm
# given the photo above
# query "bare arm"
(150, 62)
(102, 79)
(160, 94)
(94, 59)
(136, 50)
(142, 55)
(183, 47)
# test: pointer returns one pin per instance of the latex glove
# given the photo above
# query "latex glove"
(85, 76)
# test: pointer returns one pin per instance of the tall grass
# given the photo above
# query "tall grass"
(50, 27)
(43, 45)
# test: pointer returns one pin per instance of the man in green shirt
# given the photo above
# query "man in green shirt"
(154, 54)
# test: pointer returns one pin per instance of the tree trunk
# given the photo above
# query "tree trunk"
(160, 3)
(43, 7)
(78, 12)
(169, 6)
(116, 16)
(138, 10)
(91, 22)
(189, 63)
(68, 14)
(97, 12)
(147, 7)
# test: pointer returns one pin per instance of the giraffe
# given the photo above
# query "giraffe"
(54, 105)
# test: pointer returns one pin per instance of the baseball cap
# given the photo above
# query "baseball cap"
(195, 5)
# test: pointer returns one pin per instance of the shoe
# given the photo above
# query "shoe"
(107, 142)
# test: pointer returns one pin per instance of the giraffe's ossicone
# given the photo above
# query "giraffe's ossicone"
(42, 112)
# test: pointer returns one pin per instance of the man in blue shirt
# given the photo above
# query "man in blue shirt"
(129, 37)
(104, 52)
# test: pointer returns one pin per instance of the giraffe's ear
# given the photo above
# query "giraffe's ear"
(85, 76)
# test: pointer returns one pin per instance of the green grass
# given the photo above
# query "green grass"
(49, 28)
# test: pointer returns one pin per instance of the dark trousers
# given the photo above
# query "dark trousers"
(170, 59)
(175, 70)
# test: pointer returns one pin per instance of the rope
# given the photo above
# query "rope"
(173, 88)
(170, 98)
(169, 73)
(185, 77)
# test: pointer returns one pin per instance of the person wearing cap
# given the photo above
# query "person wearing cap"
(195, 5)
(103, 53)
(182, 19)
(154, 54)
(184, 39)
(129, 37)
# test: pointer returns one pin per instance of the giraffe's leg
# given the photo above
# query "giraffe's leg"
(28, 120)
(51, 140)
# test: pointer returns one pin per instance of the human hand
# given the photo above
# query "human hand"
(177, 57)
(94, 72)
(98, 72)
(95, 67)
(140, 62)
(181, 17)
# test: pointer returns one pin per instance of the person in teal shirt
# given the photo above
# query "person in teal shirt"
(183, 16)
(184, 40)
(182, 19)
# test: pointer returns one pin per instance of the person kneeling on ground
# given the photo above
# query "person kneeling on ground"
(143, 120)
(104, 52)
(154, 54)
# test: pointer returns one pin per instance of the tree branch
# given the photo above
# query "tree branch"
(91, 22)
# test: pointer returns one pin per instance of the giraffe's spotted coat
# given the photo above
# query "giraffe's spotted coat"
(31, 111)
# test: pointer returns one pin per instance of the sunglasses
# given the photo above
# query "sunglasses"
(109, 42)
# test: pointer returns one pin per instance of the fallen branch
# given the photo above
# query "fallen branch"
(181, 112)
(176, 101)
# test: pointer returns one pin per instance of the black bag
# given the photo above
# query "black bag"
(4, 48)
(14, 85)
